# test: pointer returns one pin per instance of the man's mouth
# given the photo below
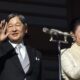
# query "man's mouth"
(14, 34)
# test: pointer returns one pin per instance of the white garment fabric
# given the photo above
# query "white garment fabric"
(70, 63)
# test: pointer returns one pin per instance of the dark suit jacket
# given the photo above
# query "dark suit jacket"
(10, 67)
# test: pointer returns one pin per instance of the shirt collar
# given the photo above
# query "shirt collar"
(14, 44)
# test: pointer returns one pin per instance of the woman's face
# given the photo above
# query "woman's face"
(77, 34)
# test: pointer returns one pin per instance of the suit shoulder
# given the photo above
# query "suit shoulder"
(35, 51)
(1, 46)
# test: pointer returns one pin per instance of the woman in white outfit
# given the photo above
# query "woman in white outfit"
(70, 58)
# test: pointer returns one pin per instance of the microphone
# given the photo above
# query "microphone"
(55, 32)
(66, 34)
(49, 31)
(59, 32)
(45, 30)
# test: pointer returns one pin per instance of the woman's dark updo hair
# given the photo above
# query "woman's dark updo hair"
(74, 24)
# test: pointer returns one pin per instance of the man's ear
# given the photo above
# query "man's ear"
(26, 30)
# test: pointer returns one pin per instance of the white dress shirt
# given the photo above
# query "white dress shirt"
(22, 50)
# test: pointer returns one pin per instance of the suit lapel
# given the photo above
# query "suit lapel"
(17, 63)
(10, 51)
(31, 59)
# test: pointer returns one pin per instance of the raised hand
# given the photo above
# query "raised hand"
(3, 34)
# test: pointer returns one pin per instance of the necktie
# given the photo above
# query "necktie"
(18, 47)
(23, 60)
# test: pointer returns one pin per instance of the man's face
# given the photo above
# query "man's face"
(16, 30)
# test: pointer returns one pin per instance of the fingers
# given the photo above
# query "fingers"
(3, 33)
(5, 27)
(1, 27)
(3, 36)
(6, 35)
(2, 23)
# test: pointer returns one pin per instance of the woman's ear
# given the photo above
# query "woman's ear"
(73, 36)
(71, 33)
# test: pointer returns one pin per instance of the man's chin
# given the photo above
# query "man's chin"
(15, 40)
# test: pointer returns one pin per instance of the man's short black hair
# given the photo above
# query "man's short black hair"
(21, 17)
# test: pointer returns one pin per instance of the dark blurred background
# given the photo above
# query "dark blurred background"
(55, 14)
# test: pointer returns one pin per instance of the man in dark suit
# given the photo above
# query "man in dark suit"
(17, 60)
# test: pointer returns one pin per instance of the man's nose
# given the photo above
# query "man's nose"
(14, 28)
